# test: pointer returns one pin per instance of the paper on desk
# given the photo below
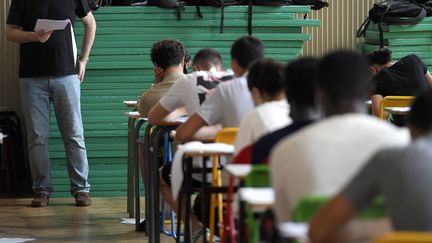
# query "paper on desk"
(257, 195)
(51, 25)
(298, 231)
(177, 165)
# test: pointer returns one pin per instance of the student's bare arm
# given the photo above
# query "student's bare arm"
(15, 34)
(376, 102)
(429, 78)
(186, 131)
(334, 223)
(157, 114)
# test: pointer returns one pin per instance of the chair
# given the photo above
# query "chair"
(394, 101)
(228, 136)
(405, 237)
(309, 206)
(258, 177)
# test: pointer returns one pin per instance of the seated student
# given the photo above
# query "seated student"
(168, 60)
(191, 90)
(406, 77)
(401, 175)
(225, 106)
(265, 82)
(301, 92)
(322, 157)
(230, 101)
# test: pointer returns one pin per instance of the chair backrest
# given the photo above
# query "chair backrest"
(405, 237)
(258, 177)
(394, 101)
(227, 135)
(309, 206)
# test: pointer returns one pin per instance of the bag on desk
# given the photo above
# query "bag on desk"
(393, 12)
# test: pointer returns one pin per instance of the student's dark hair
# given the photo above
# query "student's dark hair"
(246, 50)
(420, 115)
(207, 58)
(344, 75)
(301, 81)
(167, 53)
(381, 56)
(267, 76)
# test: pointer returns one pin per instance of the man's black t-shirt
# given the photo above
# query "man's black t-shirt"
(55, 57)
(405, 77)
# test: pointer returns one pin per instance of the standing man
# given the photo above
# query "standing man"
(50, 71)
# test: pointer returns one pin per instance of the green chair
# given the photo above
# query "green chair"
(309, 205)
(258, 177)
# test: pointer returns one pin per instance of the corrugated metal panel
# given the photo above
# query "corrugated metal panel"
(338, 27)
(8, 64)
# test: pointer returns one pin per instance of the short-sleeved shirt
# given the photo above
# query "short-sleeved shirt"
(152, 96)
(56, 56)
(322, 157)
(404, 78)
(404, 177)
(265, 118)
(227, 104)
(262, 148)
(191, 91)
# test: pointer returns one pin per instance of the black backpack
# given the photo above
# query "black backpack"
(393, 12)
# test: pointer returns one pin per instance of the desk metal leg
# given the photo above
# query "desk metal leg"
(130, 168)
(188, 192)
(137, 175)
(148, 161)
(204, 202)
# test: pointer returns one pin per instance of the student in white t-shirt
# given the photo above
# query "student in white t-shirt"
(266, 84)
(230, 101)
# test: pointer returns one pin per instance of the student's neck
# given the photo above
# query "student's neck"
(344, 107)
(173, 69)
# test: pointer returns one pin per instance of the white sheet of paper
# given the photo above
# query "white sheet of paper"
(128, 220)
(50, 24)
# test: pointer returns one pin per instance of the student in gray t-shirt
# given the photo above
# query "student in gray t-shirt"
(403, 176)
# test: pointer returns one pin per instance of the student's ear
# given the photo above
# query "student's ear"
(196, 67)
(373, 70)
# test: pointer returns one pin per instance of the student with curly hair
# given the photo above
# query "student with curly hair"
(168, 60)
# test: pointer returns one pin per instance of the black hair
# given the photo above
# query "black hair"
(267, 76)
(167, 53)
(344, 75)
(207, 58)
(301, 81)
(420, 115)
(246, 50)
(381, 56)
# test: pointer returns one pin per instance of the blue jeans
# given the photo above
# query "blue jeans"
(64, 92)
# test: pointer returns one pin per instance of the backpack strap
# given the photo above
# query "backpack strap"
(198, 9)
(361, 32)
(250, 18)
(222, 17)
